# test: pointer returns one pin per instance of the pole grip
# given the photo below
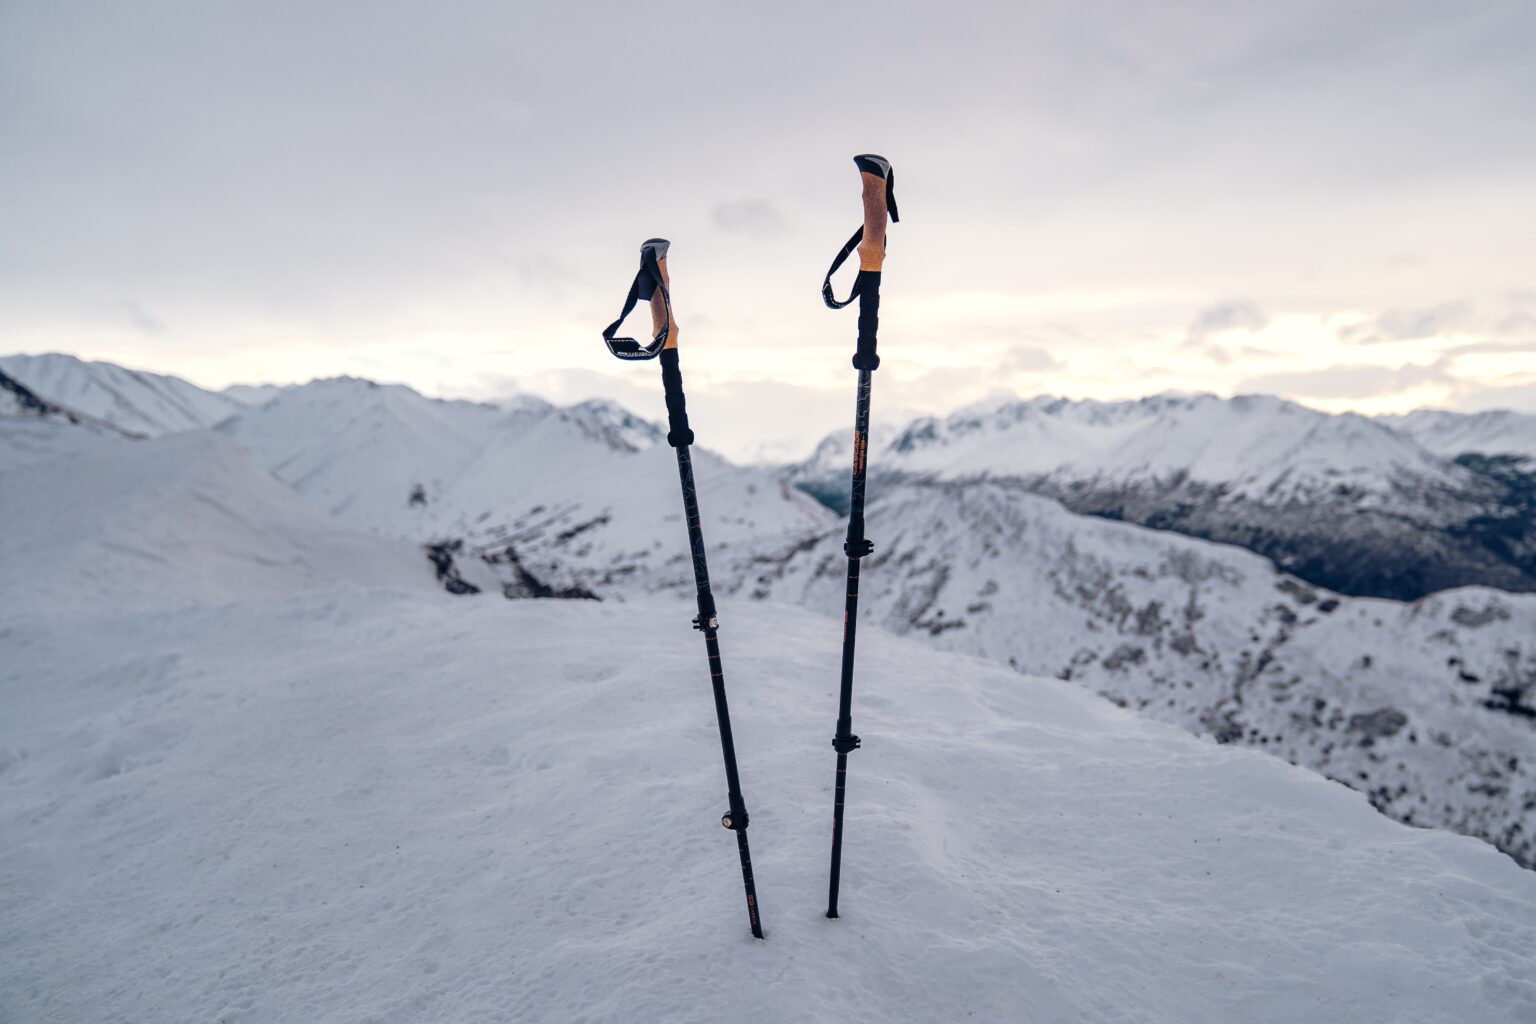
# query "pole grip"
(872, 248)
(661, 305)
(679, 435)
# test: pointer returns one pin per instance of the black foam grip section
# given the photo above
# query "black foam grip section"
(868, 290)
(678, 434)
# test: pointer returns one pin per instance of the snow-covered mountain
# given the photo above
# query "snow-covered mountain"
(350, 799)
(561, 491)
(1428, 707)
(1450, 434)
(253, 394)
(138, 402)
(825, 475)
(34, 429)
(359, 449)
(1340, 500)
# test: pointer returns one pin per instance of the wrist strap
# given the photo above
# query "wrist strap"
(647, 280)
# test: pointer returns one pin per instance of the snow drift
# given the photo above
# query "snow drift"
(177, 520)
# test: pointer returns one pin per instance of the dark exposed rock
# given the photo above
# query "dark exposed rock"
(524, 584)
(1493, 611)
(441, 555)
(1379, 724)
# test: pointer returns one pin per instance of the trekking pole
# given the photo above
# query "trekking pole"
(879, 182)
(653, 284)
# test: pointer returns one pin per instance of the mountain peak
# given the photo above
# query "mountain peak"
(135, 401)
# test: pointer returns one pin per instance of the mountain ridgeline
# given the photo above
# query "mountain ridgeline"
(1393, 508)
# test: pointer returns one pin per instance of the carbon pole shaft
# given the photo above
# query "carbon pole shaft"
(736, 818)
(855, 550)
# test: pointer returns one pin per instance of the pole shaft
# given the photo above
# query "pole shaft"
(707, 624)
(850, 629)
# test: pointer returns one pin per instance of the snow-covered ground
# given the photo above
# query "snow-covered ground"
(360, 804)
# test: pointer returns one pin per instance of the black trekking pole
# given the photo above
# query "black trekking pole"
(653, 285)
(879, 199)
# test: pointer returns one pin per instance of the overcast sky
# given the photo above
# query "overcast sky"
(1333, 201)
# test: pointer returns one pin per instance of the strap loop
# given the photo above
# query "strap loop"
(842, 257)
(647, 280)
(865, 164)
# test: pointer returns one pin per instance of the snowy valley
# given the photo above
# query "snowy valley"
(247, 719)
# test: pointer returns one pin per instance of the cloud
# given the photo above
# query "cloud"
(1238, 314)
(1349, 381)
(1518, 323)
(749, 216)
(1027, 359)
(1411, 324)
(1519, 397)
(142, 320)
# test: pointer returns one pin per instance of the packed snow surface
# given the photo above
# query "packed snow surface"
(390, 805)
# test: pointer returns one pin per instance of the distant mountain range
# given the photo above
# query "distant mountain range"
(1399, 507)
(1427, 706)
